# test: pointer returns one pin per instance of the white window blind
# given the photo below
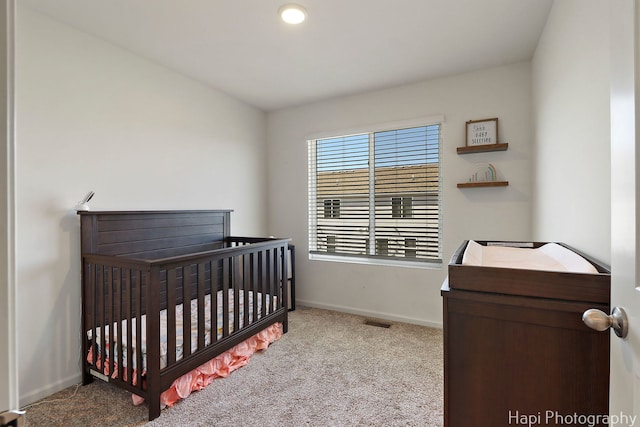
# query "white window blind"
(376, 194)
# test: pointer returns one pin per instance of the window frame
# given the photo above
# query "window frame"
(405, 209)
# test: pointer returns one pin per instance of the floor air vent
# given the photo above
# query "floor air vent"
(377, 323)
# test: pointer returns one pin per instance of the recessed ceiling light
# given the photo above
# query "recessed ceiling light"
(292, 13)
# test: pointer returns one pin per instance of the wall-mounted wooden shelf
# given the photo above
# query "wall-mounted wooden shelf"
(483, 184)
(482, 148)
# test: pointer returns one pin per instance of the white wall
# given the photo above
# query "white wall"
(572, 195)
(94, 117)
(408, 294)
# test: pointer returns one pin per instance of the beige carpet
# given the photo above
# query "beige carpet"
(331, 369)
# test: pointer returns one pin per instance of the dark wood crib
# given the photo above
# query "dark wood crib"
(137, 264)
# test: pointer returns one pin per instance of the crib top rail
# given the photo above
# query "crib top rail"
(250, 244)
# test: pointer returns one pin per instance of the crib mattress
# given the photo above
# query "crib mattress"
(180, 330)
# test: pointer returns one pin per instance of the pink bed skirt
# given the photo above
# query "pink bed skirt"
(218, 367)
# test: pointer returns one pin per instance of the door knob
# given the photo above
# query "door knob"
(601, 321)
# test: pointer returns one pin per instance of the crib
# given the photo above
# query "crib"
(148, 275)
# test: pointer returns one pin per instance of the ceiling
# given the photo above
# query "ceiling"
(345, 47)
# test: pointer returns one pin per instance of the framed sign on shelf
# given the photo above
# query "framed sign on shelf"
(481, 132)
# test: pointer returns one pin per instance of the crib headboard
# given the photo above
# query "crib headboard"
(153, 234)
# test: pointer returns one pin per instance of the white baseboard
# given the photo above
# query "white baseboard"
(48, 390)
(368, 313)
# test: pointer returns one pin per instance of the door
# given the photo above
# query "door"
(625, 233)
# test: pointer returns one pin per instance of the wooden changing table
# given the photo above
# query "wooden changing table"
(515, 344)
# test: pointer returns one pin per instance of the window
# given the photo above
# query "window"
(382, 246)
(401, 207)
(332, 208)
(376, 194)
(331, 243)
(410, 245)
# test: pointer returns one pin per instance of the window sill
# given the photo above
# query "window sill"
(435, 265)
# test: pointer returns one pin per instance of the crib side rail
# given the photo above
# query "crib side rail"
(248, 294)
(234, 241)
(259, 243)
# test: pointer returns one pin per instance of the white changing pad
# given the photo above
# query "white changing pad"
(550, 256)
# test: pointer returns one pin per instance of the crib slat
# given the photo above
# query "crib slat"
(126, 276)
(201, 305)
(284, 280)
(117, 317)
(137, 294)
(262, 278)
(236, 293)
(277, 286)
(254, 284)
(186, 310)
(275, 273)
(280, 284)
(171, 316)
(214, 303)
(225, 297)
(101, 316)
(126, 314)
(246, 278)
(273, 288)
(267, 281)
